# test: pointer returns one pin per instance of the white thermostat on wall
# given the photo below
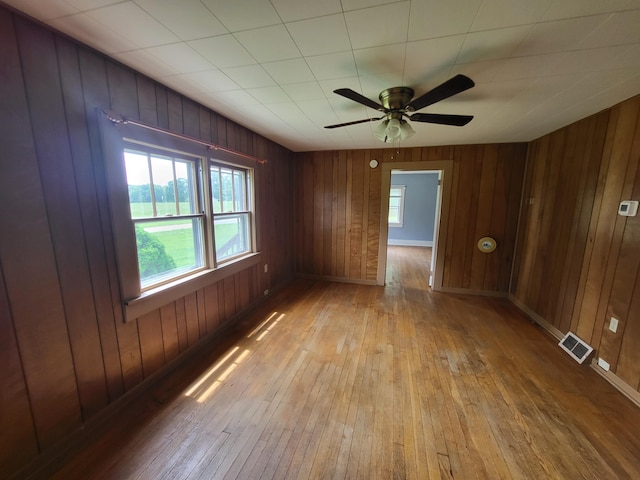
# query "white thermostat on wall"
(628, 208)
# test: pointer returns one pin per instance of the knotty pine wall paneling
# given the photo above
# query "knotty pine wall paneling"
(67, 353)
(338, 218)
(578, 261)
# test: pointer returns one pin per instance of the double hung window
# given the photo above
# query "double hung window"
(183, 214)
(396, 205)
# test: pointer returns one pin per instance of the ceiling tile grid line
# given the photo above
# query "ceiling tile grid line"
(535, 63)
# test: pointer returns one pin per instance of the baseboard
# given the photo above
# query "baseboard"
(410, 243)
(46, 463)
(467, 291)
(617, 382)
(536, 318)
(328, 278)
(610, 377)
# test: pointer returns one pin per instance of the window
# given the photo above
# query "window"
(182, 213)
(166, 212)
(396, 205)
(230, 187)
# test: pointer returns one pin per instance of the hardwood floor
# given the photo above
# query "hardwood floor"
(330, 380)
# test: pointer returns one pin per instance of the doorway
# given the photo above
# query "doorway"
(444, 171)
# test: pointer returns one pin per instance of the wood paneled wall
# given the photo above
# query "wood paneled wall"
(338, 212)
(64, 349)
(578, 261)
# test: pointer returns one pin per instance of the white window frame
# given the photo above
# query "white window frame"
(137, 301)
(402, 189)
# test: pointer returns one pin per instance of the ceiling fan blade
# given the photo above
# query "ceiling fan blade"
(353, 123)
(455, 120)
(451, 87)
(361, 99)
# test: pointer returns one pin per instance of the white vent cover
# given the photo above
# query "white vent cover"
(575, 347)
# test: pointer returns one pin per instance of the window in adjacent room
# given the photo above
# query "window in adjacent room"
(396, 205)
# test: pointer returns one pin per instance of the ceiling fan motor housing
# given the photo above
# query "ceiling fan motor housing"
(396, 98)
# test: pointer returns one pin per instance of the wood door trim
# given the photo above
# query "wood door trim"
(442, 214)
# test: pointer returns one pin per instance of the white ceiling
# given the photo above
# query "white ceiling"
(272, 65)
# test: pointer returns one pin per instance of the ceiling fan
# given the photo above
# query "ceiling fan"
(397, 103)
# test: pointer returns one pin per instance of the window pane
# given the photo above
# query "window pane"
(232, 235)
(138, 180)
(215, 190)
(162, 171)
(227, 189)
(239, 191)
(185, 179)
(168, 248)
(393, 215)
(394, 202)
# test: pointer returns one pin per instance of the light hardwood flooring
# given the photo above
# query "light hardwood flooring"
(341, 381)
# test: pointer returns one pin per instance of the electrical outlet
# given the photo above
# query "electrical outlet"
(613, 324)
(266, 267)
(603, 364)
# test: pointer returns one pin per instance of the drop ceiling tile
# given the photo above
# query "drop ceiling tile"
(557, 36)
(83, 5)
(223, 51)
(289, 71)
(371, 27)
(93, 33)
(428, 57)
(584, 61)
(209, 81)
(146, 63)
(328, 86)
(334, 65)
(250, 76)
(348, 5)
(304, 91)
(376, 60)
(240, 15)
(619, 29)
(435, 18)
(133, 24)
(43, 10)
(492, 44)
(319, 36)
(269, 44)
(372, 85)
(237, 97)
(508, 13)
(291, 10)
(181, 57)
(188, 19)
(629, 57)
(479, 72)
(530, 67)
(559, 10)
(266, 95)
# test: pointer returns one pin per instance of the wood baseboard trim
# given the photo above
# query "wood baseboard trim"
(617, 382)
(536, 318)
(327, 278)
(466, 291)
(48, 462)
(610, 377)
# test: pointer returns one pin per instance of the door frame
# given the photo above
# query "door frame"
(445, 167)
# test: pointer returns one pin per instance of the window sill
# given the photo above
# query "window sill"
(157, 297)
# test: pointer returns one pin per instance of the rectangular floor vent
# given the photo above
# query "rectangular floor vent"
(575, 347)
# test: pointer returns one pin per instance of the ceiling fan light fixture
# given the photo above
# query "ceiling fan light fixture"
(393, 129)
(405, 130)
(381, 131)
